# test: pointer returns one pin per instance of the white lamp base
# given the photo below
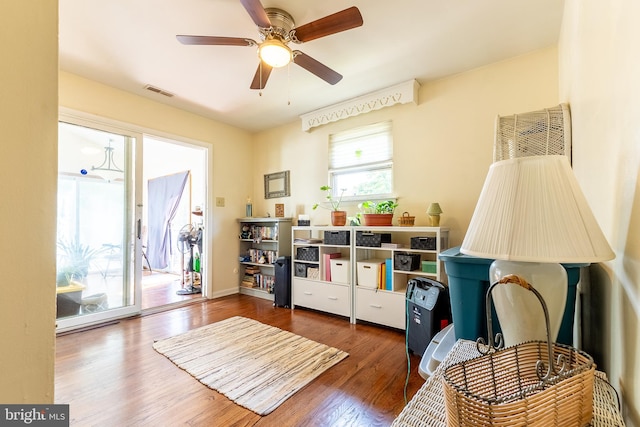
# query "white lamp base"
(519, 312)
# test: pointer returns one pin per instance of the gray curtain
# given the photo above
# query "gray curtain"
(165, 193)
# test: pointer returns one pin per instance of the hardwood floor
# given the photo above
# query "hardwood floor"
(111, 376)
(159, 289)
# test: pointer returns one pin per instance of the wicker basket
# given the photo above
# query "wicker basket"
(536, 133)
(514, 387)
(406, 220)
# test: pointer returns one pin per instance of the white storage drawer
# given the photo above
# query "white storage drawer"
(386, 308)
(321, 296)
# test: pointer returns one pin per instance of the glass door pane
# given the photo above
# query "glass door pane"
(96, 242)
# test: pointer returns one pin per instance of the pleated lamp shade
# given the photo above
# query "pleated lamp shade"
(532, 209)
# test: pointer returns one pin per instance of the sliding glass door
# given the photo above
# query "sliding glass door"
(98, 229)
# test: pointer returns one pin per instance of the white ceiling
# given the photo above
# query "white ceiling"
(128, 44)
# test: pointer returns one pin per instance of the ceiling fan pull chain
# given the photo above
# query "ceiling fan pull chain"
(260, 65)
(289, 84)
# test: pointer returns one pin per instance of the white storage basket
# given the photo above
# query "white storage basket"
(537, 133)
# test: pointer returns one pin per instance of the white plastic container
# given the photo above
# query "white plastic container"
(340, 269)
(369, 272)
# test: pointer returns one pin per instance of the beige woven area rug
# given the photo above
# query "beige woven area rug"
(256, 365)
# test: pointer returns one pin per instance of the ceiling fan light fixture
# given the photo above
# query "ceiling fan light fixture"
(275, 53)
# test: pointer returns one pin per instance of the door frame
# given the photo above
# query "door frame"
(134, 165)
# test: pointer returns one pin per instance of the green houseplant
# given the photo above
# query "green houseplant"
(378, 213)
(74, 260)
(338, 217)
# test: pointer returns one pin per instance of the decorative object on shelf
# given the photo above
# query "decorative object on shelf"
(279, 210)
(248, 209)
(406, 220)
(277, 185)
(338, 217)
(434, 212)
(532, 215)
(378, 213)
(303, 220)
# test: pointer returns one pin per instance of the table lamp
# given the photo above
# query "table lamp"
(531, 216)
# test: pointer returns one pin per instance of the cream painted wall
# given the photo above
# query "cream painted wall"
(599, 67)
(228, 175)
(28, 171)
(442, 148)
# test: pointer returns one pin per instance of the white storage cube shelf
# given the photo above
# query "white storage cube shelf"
(368, 272)
(347, 278)
(340, 270)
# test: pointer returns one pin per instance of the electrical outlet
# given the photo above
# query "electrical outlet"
(220, 202)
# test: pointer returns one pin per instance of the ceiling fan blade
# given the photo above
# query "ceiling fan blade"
(256, 11)
(214, 40)
(331, 24)
(317, 68)
(261, 76)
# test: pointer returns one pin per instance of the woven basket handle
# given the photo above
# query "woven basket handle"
(499, 342)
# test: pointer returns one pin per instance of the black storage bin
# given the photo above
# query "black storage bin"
(372, 240)
(425, 243)
(336, 237)
(282, 288)
(406, 262)
(308, 253)
(300, 269)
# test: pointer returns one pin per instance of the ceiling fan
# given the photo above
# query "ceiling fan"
(277, 29)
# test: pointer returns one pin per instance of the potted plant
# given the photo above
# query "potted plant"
(378, 214)
(338, 217)
(75, 259)
(73, 263)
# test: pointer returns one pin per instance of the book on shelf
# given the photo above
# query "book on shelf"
(252, 269)
(391, 245)
(306, 240)
(248, 283)
(261, 232)
(327, 264)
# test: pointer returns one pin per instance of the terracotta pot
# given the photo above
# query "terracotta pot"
(338, 218)
(374, 220)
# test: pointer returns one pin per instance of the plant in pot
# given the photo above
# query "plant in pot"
(74, 261)
(378, 213)
(338, 217)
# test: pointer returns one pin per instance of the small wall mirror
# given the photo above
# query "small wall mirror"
(276, 185)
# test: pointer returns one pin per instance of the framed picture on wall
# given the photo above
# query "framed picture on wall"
(276, 185)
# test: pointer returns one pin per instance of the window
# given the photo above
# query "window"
(361, 162)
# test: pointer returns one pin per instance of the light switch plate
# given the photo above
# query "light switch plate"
(220, 202)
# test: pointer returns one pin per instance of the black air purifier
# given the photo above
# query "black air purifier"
(282, 287)
(428, 311)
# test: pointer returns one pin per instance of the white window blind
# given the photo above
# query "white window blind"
(365, 146)
(361, 162)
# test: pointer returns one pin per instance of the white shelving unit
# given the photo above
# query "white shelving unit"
(268, 239)
(382, 302)
(312, 288)
(387, 306)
